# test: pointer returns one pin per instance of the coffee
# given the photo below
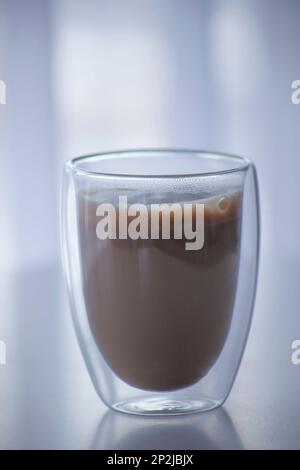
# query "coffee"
(160, 314)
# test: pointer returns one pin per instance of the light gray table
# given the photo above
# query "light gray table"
(47, 400)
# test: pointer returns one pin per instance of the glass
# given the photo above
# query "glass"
(160, 251)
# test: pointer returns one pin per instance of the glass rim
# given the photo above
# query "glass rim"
(74, 163)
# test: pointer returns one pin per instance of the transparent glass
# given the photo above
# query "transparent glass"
(161, 314)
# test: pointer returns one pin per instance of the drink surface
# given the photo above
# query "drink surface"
(160, 314)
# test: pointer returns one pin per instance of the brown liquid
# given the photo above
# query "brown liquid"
(160, 314)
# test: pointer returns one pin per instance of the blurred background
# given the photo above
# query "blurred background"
(109, 74)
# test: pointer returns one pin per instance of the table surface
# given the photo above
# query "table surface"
(48, 402)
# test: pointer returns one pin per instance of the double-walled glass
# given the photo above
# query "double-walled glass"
(160, 250)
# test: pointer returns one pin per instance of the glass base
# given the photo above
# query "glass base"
(164, 406)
